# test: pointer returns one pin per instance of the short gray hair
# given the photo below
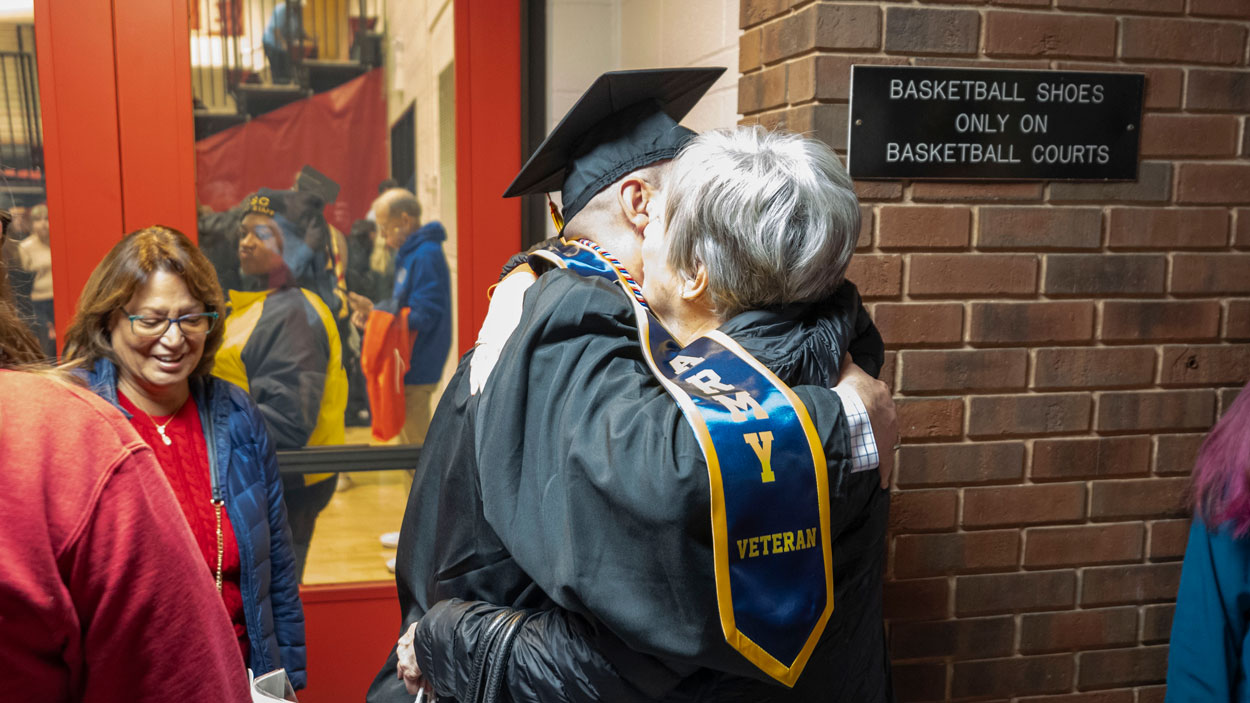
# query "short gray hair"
(399, 200)
(772, 216)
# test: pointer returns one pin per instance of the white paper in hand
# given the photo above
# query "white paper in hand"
(273, 687)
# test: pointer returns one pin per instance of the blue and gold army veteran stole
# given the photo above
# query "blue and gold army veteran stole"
(767, 473)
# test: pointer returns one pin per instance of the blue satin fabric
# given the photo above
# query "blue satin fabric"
(771, 526)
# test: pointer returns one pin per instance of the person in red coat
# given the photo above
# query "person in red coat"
(103, 595)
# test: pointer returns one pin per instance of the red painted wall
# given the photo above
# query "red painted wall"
(350, 631)
(488, 96)
(155, 121)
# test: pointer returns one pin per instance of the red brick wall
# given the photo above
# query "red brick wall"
(1057, 349)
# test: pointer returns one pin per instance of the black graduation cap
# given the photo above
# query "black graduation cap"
(626, 120)
(310, 180)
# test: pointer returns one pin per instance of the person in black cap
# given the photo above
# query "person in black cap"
(605, 154)
(308, 235)
(282, 346)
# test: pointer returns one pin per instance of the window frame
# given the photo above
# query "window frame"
(115, 88)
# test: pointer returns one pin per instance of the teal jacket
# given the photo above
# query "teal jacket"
(1207, 661)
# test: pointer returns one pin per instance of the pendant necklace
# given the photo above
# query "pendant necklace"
(160, 428)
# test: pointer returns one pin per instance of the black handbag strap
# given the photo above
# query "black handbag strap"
(498, 664)
(490, 662)
(481, 657)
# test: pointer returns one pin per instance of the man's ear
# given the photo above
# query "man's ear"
(634, 196)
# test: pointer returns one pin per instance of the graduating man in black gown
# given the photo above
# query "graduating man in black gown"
(573, 489)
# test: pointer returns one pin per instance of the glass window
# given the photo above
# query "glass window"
(325, 158)
(26, 252)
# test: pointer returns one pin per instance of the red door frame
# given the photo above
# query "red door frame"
(488, 95)
(114, 79)
(115, 84)
(78, 96)
(155, 119)
(115, 88)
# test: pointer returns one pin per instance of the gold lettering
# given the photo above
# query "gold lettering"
(682, 363)
(762, 443)
(776, 543)
(708, 381)
(739, 403)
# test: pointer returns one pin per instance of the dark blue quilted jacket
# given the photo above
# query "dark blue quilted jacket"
(246, 469)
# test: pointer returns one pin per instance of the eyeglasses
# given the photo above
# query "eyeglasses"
(151, 326)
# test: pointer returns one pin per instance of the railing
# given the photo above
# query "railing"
(229, 47)
(21, 126)
(349, 457)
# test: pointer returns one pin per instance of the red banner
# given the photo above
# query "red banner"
(341, 133)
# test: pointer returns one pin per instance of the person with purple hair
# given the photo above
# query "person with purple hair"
(1208, 656)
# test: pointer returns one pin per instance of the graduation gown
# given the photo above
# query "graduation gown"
(574, 481)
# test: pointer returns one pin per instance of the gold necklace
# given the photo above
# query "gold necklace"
(160, 426)
(160, 429)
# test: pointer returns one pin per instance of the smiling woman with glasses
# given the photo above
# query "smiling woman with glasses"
(145, 336)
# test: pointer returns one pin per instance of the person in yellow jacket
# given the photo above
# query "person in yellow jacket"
(282, 346)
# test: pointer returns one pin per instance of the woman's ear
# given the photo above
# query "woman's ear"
(694, 287)
(111, 321)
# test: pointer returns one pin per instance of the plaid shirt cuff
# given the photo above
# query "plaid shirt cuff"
(864, 454)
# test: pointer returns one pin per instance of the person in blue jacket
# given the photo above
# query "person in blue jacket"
(1208, 657)
(423, 285)
(144, 337)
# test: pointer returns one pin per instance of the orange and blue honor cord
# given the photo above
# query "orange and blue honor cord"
(766, 472)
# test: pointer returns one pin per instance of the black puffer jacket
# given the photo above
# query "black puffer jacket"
(570, 525)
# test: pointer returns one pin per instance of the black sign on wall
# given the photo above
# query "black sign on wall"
(917, 123)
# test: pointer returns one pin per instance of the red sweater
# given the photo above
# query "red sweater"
(185, 463)
(102, 593)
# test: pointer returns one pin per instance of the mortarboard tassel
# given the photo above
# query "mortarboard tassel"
(556, 217)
